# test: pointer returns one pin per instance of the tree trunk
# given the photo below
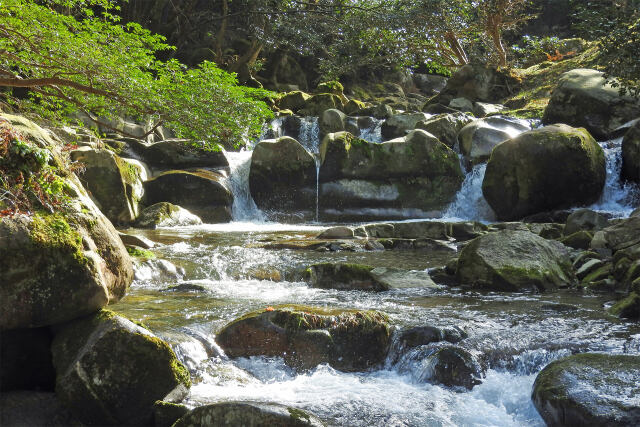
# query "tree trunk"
(456, 48)
(493, 30)
(221, 33)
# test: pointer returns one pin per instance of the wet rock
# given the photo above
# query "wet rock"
(139, 241)
(445, 127)
(589, 389)
(34, 408)
(332, 121)
(583, 99)
(395, 278)
(399, 124)
(484, 109)
(165, 214)
(165, 414)
(111, 371)
(514, 261)
(455, 367)
(461, 104)
(186, 287)
(627, 308)
(25, 360)
(585, 219)
(588, 267)
(248, 414)
(624, 235)
(283, 176)
(182, 154)
(631, 154)
(202, 192)
(337, 233)
(305, 337)
(344, 277)
(480, 137)
(424, 335)
(543, 169)
(113, 183)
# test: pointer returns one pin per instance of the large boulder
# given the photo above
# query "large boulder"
(113, 183)
(408, 176)
(182, 154)
(316, 104)
(283, 176)
(478, 83)
(110, 371)
(165, 214)
(514, 261)
(332, 120)
(583, 98)
(631, 154)
(306, 337)
(249, 414)
(293, 101)
(479, 138)
(445, 126)
(399, 124)
(202, 192)
(589, 389)
(542, 170)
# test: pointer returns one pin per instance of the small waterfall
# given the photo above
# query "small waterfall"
(469, 203)
(309, 135)
(372, 133)
(617, 196)
(244, 208)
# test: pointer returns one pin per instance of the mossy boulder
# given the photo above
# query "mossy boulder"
(113, 183)
(165, 414)
(578, 240)
(589, 389)
(631, 154)
(164, 214)
(408, 175)
(445, 127)
(182, 154)
(353, 107)
(293, 101)
(306, 337)
(283, 176)
(316, 104)
(250, 414)
(627, 308)
(399, 124)
(479, 138)
(514, 261)
(111, 371)
(202, 192)
(25, 360)
(583, 98)
(544, 169)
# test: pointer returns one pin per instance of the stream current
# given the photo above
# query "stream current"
(230, 274)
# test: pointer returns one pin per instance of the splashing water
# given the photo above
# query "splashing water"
(309, 135)
(469, 203)
(244, 208)
(373, 133)
(617, 196)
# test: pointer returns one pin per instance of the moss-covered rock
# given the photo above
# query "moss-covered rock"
(353, 106)
(250, 414)
(307, 336)
(578, 240)
(631, 154)
(344, 277)
(112, 371)
(293, 101)
(182, 154)
(316, 104)
(445, 126)
(627, 308)
(165, 414)
(283, 176)
(514, 261)
(114, 184)
(165, 214)
(202, 192)
(583, 99)
(25, 360)
(544, 169)
(589, 389)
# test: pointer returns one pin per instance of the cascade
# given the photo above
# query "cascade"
(309, 137)
(469, 203)
(372, 133)
(244, 208)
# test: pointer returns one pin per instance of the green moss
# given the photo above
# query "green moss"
(52, 231)
(298, 415)
(140, 253)
(628, 308)
(333, 86)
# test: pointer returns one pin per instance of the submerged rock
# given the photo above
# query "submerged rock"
(544, 169)
(583, 99)
(111, 371)
(248, 414)
(306, 337)
(589, 389)
(165, 214)
(514, 261)
(202, 192)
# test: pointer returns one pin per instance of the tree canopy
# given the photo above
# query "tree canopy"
(76, 55)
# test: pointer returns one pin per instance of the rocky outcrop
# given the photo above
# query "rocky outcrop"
(113, 183)
(514, 261)
(583, 98)
(631, 154)
(479, 138)
(111, 371)
(182, 154)
(589, 389)
(165, 214)
(283, 176)
(248, 414)
(402, 177)
(542, 170)
(202, 192)
(445, 126)
(306, 337)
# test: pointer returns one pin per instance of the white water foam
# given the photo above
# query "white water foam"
(244, 208)
(469, 203)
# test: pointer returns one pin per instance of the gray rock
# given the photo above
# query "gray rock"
(446, 127)
(337, 233)
(584, 219)
(332, 120)
(479, 138)
(132, 240)
(165, 214)
(182, 154)
(461, 104)
(399, 124)
(483, 109)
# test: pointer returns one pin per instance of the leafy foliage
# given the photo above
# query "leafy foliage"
(75, 55)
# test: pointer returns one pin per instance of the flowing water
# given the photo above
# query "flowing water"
(229, 272)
